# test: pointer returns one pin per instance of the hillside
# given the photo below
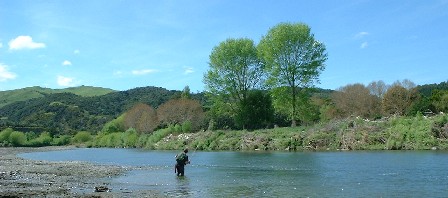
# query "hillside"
(66, 113)
(11, 96)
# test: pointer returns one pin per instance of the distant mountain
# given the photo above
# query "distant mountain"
(11, 96)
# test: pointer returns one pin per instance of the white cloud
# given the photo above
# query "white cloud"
(188, 70)
(66, 63)
(361, 35)
(364, 45)
(1, 45)
(24, 42)
(76, 52)
(65, 81)
(5, 74)
(143, 71)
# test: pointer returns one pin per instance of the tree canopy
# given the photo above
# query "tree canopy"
(293, 58)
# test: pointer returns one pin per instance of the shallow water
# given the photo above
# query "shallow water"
(274, 174)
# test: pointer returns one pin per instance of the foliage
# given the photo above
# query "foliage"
(398, 100)
(17, 138)
(141, 117)
(410, 133)
(61, 140)
(186, 93)
(428, 89)
(179, 111)
(115, 125)
(235, 69)
(357, 100)
(130, 138)
(4, 134)
(67, 113)
(256, 111)
(440, 100)
(44, 139)
(293, 58)
(82, 137)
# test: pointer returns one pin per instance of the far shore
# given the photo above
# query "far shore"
(31, 178)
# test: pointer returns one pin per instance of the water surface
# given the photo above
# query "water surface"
(274, 174)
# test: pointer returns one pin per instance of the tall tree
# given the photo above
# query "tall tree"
(293, 58)
(234, 70)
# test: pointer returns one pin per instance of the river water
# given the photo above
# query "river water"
(274, 174)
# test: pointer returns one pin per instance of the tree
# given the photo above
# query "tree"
(406, 83)
(186, 93)
(180, 111)
(356, 100)
(377, 88)
(293, 59)
(256, 111)
(234, 70)
(141, 117)
(439, 99)
(398, 100)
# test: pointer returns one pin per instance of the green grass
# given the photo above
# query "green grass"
(11, 96)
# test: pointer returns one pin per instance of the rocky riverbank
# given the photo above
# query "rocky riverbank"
(29, 178)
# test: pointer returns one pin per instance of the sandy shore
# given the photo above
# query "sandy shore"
(29, 178)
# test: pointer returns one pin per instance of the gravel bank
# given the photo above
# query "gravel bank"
(29, 178)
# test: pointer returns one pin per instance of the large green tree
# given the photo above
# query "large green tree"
(294, 59)
(234, 70)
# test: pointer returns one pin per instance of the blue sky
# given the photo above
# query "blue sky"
(135, 43)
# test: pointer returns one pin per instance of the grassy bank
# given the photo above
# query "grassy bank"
(396, 133)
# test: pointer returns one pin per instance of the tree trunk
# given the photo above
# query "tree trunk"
(293, 123)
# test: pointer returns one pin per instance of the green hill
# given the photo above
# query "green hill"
(11, 96)
(67, 112)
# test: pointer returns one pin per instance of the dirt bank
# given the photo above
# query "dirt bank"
(29, 178)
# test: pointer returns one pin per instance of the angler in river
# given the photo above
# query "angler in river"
(181, 161)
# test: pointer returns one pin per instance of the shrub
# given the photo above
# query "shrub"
(4, 135)
(186, 127)
(82, 137)
(115, 125)
(61, 140)
(130, 138)
(17, 138)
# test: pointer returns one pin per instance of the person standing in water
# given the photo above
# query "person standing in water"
(181, 161)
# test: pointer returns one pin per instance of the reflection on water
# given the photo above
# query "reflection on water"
(275, 174)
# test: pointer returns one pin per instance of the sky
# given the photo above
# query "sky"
(137, 43)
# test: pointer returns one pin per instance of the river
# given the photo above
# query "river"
(274, 174)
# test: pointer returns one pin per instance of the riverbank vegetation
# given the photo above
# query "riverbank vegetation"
(257, 97)
(394, 133)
